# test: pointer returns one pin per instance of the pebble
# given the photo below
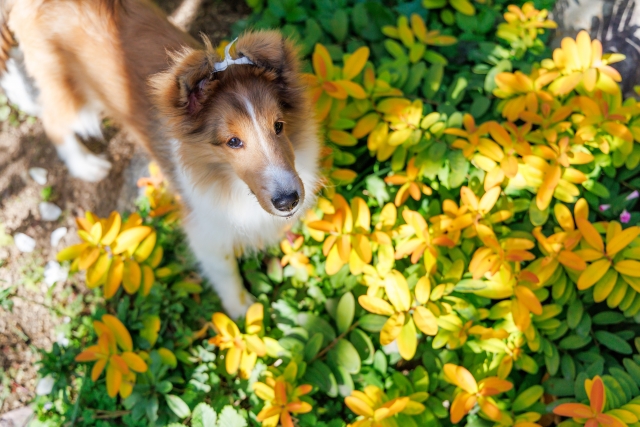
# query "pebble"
(45, 385)
(57, 235)
(53, 272)
(39, 175)
(49, 211)
(24, 243)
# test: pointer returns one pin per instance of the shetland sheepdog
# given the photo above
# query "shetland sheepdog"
(235, 136)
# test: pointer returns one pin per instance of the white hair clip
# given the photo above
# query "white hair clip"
(221, 66)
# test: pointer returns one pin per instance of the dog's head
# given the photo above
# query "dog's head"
(242, 121)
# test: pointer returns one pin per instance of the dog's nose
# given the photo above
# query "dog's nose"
(286, 202)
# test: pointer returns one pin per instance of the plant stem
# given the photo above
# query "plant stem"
(334, 342)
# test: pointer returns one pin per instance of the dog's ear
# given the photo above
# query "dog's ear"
(181, 92)
(270, 50)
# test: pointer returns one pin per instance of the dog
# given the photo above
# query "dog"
(235, 136)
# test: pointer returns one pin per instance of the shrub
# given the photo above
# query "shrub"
(472, 259)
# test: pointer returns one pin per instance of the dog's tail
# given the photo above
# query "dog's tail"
(6, 38)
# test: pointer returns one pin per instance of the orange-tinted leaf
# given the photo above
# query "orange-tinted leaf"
(119, 331)
(355, 63)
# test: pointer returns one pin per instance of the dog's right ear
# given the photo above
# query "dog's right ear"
(181, 92)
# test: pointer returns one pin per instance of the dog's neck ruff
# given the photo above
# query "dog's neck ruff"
(228, 60)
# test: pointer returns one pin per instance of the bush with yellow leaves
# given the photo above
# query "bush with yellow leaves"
(474, 258)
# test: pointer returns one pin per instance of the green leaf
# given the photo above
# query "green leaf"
(395, 49)
(377, 189)
(314, 324)
(613, 342)
(633, 369)
(344, 381)
(372, 322)
(229, 417)
(345, 354)
(559, 387)
(346, 311)
(340, 24)
(177, 405)
(608, 318)
(203, 416)
(432, 81)
(479, 106)
(596, 188)
(312, 347)
(319, 375)
(574, 342)
(380, 362)
(457, 89)
(574, 313)
(470, 285)
(527, 398)
(459, 168)
(538, 218)
(363, 345)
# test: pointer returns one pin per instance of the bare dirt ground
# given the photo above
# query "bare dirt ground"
(35, 318)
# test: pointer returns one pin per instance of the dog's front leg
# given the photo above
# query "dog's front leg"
(217, 261)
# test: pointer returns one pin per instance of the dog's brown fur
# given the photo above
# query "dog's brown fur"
(88, 53)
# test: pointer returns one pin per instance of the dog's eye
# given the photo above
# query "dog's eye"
(235, 143)
(278, 127)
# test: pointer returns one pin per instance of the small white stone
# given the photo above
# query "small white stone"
(24, 243)
(39, 175)
(45, 385)
(49, 211)
(53, 272)
(62, 340)
(57, 235)
(48, 406)
(66, 319)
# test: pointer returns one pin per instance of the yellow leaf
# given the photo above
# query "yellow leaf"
(131, 277)
(419, 28)
(148, 277)
(622, 240)
(129, 239)
(528, 299)
(97, 369)
(365, 125)
(392, 328)
(88, 257)
(605, 286)
(134, 362)
(397, 291)
(408, 340)
(593, 273)
(343, 176)
(590, 234)
(254, 317)
(425, 320)
(155, 258)
(96, 232)
(351, 88)
(334, 262)
(358, 406)
(97, 271)
(114, 277)
(564, 217)
(112, 228)
(322, 64)
(628, 267)
(144, 250)
(72, 252)
(361, 214)
(167, 357)
(119, 331)
(376, 305)
(423, 290)
(355, 63)
(114, 378)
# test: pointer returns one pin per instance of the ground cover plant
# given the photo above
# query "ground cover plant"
(473, 259)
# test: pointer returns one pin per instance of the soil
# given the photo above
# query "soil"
(33, 321)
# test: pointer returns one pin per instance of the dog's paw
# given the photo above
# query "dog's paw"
(83, 164)
(237, 307)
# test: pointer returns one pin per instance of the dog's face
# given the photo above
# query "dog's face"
(240, 120)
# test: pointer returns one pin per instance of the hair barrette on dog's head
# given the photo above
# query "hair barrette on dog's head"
(228, 60)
